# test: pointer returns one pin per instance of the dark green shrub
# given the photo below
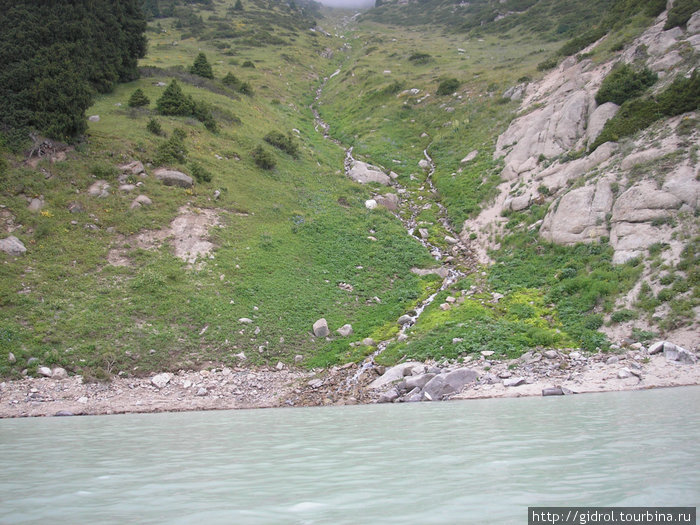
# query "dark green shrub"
(174, 102)
(202, 112)
(154, 127)
(624, 83)
(171, 151)
(200, 173)
(547, 64)
(575, 45)
(202, 67)
(681, 96)
(263, 158)
(420, 58)
(392, 88)
(249, 64)
(621, 316)
(231, 80)
(448, 86)
(283, 142)
(681, 12)
(138, 99)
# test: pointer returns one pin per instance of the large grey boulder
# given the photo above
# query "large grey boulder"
(418, 381)
(451, 383)
(36, 204)
(173, 178)
(12, 246)
(320, 328)
(133, 168)
(396, 373)
(676, 353)
(365, 173)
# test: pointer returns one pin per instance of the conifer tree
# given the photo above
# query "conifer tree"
(173, 101)
(138, 99)
(202, 67)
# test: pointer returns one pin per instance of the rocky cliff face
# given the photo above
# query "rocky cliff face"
(637, 193)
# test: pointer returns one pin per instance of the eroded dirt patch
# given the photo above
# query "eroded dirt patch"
(188, 235)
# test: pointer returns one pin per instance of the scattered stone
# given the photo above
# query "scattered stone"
(31, 361)
(388, 397)
(201, 392)
(94, 118)
(345, 330)
(59, 373)
(280, 365)
(513, 381)
(575, 355)
(11, 358)
(298, 358)
(450, 299)
(75, 207)
(12, 246)
(450, 240)
(552, 391)
(241, 356)
(36, 205)
(141, 200)
(623, 373)
(423, 232)
(173, 178)
(424, 164)
(82, 400)
(470, 157)
(612, 360)
(127, 188)
(550, 354)
(404, 320)
(315, 383)
(133, 168)
(245, 320)
(401, 337)
(456, 340)
(160, 380)
(99, 189)
(320, 328)
(445, 306)
(390, 201)
(368, 341)
(44, 371)
(370, 204)
(657, 348)
(487, 353)
(636, 346)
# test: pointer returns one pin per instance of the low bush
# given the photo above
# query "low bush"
(263, 158)
(547, 64)
(624, 83)
(448, 86)
(154, 127)
(283, 142)
(200, 173)
(420, 58)
(681, 12)
(171, 151)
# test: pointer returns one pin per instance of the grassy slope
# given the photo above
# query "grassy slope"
(63, 303)
(554, 296)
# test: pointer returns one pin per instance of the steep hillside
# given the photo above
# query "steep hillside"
(521, 187)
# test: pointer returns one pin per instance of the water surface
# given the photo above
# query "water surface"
(479, 461)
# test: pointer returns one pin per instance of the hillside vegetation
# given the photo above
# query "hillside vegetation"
(113, 280)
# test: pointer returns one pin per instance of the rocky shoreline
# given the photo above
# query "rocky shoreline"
(548, 372)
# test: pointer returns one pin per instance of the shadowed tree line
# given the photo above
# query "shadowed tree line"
(57, 55)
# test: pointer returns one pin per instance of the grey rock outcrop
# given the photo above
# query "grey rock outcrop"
(160, 380)
(580, 215)
(173, 178)
(396, 373)
(365, 173)
(12, 246)
(390, 201)
(597, 120)
(133, 168)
